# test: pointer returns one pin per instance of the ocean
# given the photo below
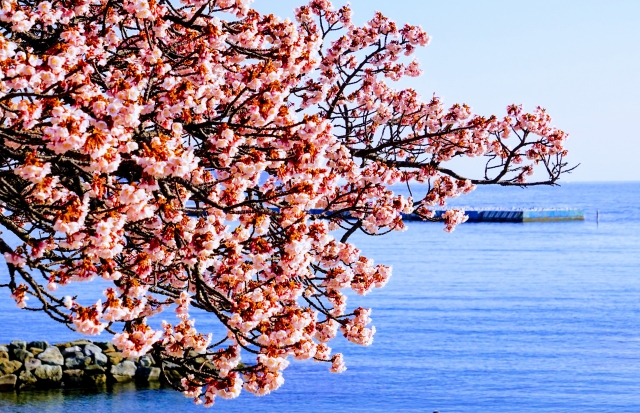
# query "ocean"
(494, 317)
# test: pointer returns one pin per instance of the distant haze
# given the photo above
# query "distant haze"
(578, 59)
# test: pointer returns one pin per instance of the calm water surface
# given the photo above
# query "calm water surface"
(537, 317)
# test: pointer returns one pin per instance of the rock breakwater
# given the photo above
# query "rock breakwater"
(76, 364)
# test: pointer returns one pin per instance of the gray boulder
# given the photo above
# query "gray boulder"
(125, 371)
(27, 380)
(146, 361)
(69, 351)
(170, 365)
(9, 366)
(51, 356)
(148, 374)
(91, 349)
(100, 359)
(18, 344)
(78, 361)
(4, 348)
(8, 382)
(48, 374)
(32, 364)
(21, 355)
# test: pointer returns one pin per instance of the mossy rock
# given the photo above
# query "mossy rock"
(80, 343)
(9, 366)
(42, 345)
(73, 378)
(174, 375)
(28, 381)
(35, 350)
(105, 346)
(96, 380)
(115, 357)
(93, 369)
(21, 355)
(8, 382)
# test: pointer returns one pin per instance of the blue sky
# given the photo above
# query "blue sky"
(578, 59)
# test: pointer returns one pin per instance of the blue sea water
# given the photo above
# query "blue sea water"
(494, 317)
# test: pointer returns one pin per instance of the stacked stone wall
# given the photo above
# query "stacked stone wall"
(76, 364)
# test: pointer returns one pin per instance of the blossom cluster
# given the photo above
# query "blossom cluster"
(199, 156)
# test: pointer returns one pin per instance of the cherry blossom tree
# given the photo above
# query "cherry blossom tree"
(196, 154)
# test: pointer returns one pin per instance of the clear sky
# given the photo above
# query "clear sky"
(579, 59)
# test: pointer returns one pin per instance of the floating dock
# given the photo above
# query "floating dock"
(521, 215)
